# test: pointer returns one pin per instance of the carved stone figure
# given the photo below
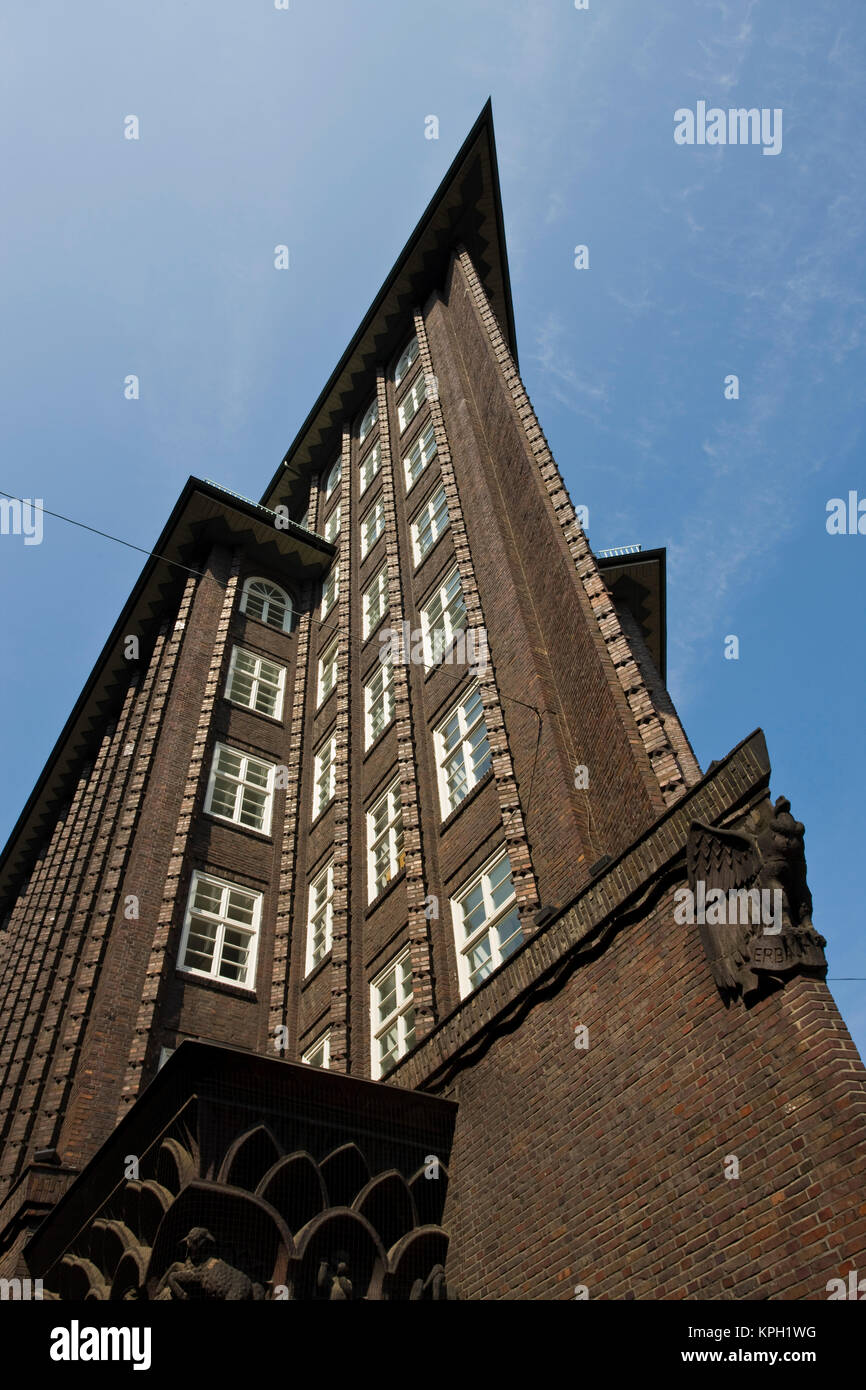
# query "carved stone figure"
(204, 1275)
(784, 861)
(432, 1288)
(333, 1281)
(744, 875)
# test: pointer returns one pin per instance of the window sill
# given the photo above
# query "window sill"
(275, 719)
(443, 660)
(316, 970)
(406, 433)
(323, 704)
(470, 796)
(410, 431)
(362, 559)
(269, 627)
(263, 836)
(211, 982)
(381, 896)
(374, 630)
(410, 487)
(321, 816)
(375, 744)
(419, 564)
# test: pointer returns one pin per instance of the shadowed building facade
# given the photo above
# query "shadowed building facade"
(342, 952)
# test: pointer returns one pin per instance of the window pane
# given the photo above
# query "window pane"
(480, 964)
(509, 933)
(200, 943)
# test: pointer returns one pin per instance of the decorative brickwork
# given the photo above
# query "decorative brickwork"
(342, 812)
(522, 873)
(223, 569)
(673, 777)
(416, 887)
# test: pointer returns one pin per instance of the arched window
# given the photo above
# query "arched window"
(334, 477)
(268, 602)
(371, 415)
(406, 359)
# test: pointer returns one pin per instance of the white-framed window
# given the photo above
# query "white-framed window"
(256, 683)
(320, 917)
(327, 673)
(405, 360)
(486, 924)
(332, 525)
(392, 1015)
(319, 1055)
(240, 788)
(220, 930)
(268, 603)
(375, 602)
(442, 617)
(385, 856)
(331, 589)
(333, 478)
(324, 775)
(429, 524)
(372, 526)
(369, 419)
(412, 402)
(462, 750)
(419, 455)
(370, 466)
(378, 702)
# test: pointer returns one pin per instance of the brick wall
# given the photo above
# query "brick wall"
(606, 1167)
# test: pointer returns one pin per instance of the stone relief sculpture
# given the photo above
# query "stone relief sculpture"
(754, 905)
(333, 1280)
(204, 1275)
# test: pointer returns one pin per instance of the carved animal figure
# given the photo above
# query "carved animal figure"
(766, 852)
(333, 1281)
(204, 1275)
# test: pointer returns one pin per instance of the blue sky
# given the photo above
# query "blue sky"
(306, 127)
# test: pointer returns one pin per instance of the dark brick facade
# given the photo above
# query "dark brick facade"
(601, 1166)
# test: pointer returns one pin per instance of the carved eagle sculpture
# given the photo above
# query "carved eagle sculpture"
(724, 859)
(768, 857)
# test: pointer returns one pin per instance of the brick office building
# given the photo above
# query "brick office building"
(341, 930)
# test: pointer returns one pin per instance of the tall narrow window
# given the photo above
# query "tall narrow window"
(320, 917)
(429, 524)
(371, 415)
(256, 683)
(220, 930)
(370, 467)
(375, 603)
(385, 856)
(378, 702)
(372, 526)
(419, 455)
(392, 1015)
(333, 479)
(327, 673)
(462, 750)
(332, 525)
(412, 402)
(442, 617)
(330, 589)
(324, 775)
(240, 788)
(319, 1055)
(405, 360)
(486, 924)
(268, 603)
